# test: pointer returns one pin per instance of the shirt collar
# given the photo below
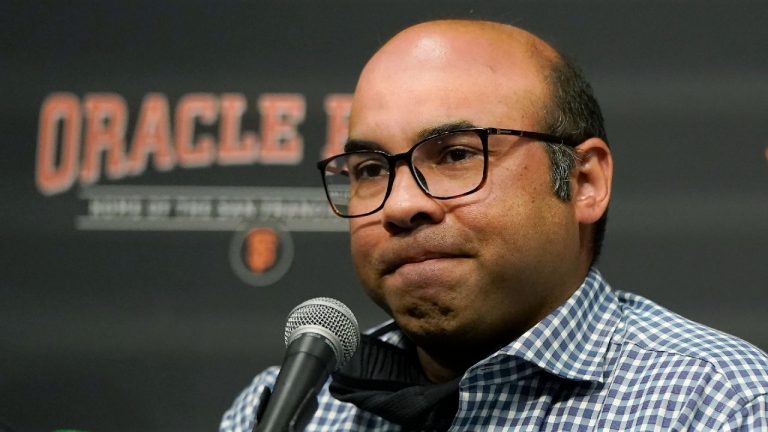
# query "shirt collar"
(573, 340)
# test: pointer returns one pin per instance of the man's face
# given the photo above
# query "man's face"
(476, 270)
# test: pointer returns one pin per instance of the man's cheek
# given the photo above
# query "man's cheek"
(361, 259)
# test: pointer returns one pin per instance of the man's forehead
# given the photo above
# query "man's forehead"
(441, 71)
(354, 144)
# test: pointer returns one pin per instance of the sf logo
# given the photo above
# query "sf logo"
(260, 249)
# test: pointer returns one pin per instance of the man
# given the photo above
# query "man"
(501, 322)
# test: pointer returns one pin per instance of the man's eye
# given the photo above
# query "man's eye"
(370, 170)
(458, 154)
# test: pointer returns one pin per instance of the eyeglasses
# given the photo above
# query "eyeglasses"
(447, 165)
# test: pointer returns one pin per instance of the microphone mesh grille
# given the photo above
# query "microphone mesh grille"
(331, 315)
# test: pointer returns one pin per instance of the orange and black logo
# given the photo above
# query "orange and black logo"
(260, 250)
(261, 254)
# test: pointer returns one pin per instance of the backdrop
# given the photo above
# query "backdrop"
(161, 212)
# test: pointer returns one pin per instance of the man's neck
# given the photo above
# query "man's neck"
(441, 366)
(437, 371)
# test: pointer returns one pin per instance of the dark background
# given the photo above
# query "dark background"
(128, 331)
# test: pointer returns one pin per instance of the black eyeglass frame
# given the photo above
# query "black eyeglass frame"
(407, 157)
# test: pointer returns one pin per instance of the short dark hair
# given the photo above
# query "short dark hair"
(573, 113)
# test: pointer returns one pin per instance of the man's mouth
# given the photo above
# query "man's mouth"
(417, 258)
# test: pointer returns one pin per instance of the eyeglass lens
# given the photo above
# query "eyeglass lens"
(444, 166)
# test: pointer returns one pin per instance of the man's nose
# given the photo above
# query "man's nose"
(408, 206)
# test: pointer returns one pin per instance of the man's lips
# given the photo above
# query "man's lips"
(393, 264)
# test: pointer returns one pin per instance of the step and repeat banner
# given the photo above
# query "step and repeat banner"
(162, 212)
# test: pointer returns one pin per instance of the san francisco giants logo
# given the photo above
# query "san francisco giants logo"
(261, 253)
(260, 249)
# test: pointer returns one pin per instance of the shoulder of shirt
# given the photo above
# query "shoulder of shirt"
(239, 417)
(651, 327)
(266, 377)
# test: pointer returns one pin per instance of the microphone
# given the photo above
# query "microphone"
(321, 335)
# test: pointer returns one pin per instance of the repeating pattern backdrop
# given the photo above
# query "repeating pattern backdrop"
(161, 212)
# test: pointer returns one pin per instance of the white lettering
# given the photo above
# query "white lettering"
(193, 208)
(114, 207)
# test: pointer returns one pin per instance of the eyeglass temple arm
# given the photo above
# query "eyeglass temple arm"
(535, 135)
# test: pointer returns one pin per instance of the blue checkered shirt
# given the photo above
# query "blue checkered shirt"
(604, 360)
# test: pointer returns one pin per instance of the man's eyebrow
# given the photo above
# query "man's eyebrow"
(360, 144)
(443, 128)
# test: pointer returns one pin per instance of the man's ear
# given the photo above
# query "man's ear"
(591, 186)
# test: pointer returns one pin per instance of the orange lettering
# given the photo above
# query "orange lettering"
(201, 106)
(152, 135)
(338, 107)
(106, 117)
(280, 115)
(232, 149)
(52, 177)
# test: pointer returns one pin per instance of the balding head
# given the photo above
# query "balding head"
(477, 39)
(495, 60)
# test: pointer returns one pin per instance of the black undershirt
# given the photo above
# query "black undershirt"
(388, 381)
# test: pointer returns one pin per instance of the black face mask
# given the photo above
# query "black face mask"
(388, 381)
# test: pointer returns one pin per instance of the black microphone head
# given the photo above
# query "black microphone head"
(329, 318)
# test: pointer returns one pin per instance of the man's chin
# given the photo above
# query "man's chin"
(427, 330)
